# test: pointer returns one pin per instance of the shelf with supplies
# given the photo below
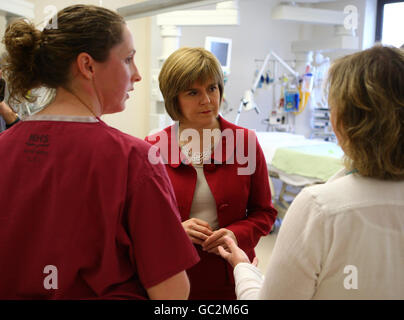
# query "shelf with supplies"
(321, 125)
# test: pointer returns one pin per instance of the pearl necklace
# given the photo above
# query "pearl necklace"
(196, 157)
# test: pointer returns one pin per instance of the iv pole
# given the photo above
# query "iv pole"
(247, 102)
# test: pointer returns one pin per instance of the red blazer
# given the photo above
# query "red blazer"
(243, 202)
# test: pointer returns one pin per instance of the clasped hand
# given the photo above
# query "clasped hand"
(201, 233)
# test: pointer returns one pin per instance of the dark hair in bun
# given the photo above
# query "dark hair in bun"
(36, 58)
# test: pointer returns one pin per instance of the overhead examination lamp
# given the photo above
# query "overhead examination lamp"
(152, 7)
(247, 102)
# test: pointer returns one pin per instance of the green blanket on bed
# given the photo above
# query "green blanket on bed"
(319, 161)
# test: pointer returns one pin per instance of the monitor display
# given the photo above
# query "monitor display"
(221, 48)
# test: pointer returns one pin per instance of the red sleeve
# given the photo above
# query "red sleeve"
(261, 214)
(161, 246)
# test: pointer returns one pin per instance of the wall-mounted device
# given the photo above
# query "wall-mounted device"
(221, 48)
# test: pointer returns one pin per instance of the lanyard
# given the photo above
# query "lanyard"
(352, 171)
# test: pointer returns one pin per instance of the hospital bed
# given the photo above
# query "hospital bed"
(298, 162)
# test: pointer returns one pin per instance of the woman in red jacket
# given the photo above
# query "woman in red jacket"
(217, 169)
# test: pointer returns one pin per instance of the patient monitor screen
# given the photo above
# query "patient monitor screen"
(220, 51)
(221, 48)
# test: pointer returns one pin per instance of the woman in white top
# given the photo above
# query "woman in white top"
(345, 239)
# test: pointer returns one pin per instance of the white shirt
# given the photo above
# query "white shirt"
(340, 240)
(204, 204)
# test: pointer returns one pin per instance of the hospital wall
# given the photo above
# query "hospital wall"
(252, 39)
(258, 33)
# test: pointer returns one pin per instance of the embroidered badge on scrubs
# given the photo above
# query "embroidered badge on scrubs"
(37, 147)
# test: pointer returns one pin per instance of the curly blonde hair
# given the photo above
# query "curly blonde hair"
(366, 96)
(181, 70)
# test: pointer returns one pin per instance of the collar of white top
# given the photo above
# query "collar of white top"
(54, 117)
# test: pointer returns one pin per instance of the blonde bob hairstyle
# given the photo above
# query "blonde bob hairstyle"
(181, 70)
(366, 96)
